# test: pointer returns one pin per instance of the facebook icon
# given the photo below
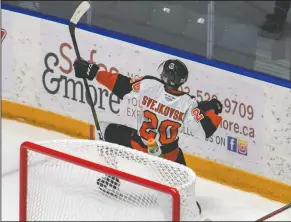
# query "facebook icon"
(232, 144)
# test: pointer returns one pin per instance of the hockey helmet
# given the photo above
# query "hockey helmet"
(174, 72)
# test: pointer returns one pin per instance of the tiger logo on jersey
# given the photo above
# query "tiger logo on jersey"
(3, 34)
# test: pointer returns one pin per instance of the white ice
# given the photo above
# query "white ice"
(218, 202)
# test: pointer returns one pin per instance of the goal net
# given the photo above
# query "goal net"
(58, 181)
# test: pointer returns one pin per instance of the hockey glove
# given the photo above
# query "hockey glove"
(84, 69)
(213, 104)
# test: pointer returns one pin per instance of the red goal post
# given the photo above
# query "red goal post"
(47, 151)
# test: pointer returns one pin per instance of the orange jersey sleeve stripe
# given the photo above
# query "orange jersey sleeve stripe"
(215, 119)
(107, 79)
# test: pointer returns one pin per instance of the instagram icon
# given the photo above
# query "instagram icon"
(242, 147)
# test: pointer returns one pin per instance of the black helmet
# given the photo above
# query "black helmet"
(174, 73)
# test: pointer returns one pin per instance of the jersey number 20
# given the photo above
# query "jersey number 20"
(153, 124)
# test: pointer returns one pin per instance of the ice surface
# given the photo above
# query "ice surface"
(218, 202)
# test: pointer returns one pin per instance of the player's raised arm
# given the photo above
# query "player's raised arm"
(207, 114)
(119, 84)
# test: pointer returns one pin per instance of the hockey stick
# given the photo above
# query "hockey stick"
(275, 212)
(80, 11)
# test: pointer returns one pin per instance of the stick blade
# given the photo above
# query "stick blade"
(80, 11)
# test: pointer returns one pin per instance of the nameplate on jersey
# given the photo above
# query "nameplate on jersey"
(162, 109)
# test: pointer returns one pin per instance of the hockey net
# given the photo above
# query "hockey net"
(58, 182)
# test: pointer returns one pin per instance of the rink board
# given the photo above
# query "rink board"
(204, 168)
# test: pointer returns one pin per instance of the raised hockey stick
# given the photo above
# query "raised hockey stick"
(80, 11)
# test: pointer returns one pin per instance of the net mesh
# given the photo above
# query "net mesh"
(60, 190)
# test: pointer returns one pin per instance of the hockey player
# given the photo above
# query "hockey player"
(165, 109)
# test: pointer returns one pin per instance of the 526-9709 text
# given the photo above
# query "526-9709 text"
(230, 106)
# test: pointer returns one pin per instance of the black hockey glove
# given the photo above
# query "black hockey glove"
(214, 104)
(84, 69)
